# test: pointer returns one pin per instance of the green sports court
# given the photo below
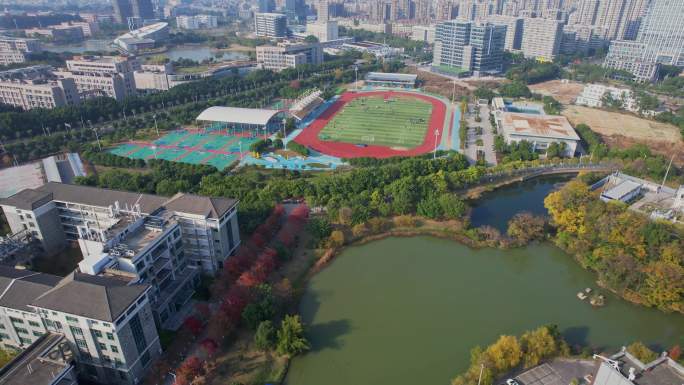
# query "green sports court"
(398, 121)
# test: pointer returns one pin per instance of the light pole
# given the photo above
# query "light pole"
(96, 136)
(154, 116)
(356, 72)
(434, 154)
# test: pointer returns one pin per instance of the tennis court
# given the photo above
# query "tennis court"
(212, 148)
(398, 121)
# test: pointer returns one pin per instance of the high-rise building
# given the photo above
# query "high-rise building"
(266, 6)
(270, 25)
(541, 38)
(422, 10)
(324, 31)
(610, 15)
(514, 30)
(660, 40)
(126, 9)
(462, 47)
(295, 11)
(322, 11)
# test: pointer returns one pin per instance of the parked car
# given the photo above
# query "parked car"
(511, 381)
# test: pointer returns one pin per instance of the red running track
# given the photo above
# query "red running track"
(309, 136)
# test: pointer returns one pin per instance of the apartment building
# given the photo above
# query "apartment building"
(541, 38)
(467, 47)
(423, 33)
(106, 322)
(59, 213)
(20, 44)
(288, 55)
(36, 87)
(58, 33)
(111, 76)
(514, 30)
(89, 28)
(196, 22)
(324, 31)
(593, 95)
(270, 25)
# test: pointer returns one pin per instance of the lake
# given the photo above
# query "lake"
(407, 311)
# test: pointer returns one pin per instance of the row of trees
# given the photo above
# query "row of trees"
(510, 352)
(642, 260)
(245, 297)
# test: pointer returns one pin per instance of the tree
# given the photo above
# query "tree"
(336, 238)
(642, 352)
(556, 150)
(264, 338)
(194, 325)
(525, 228)
(515, 89)
(537, 345)
(505, 353)
(311, 39)
(261, 308)
(484, 93)
(290, 337)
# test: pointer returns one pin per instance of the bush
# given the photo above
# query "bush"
(525, 228)
(264, 338)
(290, 336)
(298, 148)
(336, 239)
(642, 352)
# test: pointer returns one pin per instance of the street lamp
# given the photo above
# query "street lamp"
(434, 154)
(154, 116)
(99, 145)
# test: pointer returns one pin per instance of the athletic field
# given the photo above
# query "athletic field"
(399, 121)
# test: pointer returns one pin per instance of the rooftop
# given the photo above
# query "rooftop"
(382, 76)
(94, 297)
(547, 126)
(41, 364)
(19, 288)
(237, 115)
(30, 199)
(621, 190)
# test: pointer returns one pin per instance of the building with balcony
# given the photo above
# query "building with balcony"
(270, 25)
(36, 87)
(104, 324)
(94, 76)
(288, 55)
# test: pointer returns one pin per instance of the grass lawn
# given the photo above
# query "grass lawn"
(398, 122)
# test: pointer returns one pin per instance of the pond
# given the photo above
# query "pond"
(406, 311)
(497, 207)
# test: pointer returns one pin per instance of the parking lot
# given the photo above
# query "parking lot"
(540, 375)
(557, 372)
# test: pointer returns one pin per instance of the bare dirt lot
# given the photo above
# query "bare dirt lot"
(565, 93)
(440, 85)
(623, 130)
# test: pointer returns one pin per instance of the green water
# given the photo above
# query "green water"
(406, 311)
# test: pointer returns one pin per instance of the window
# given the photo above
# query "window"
(16, 320)
(71, 319)
(81, 343)
(76, 331)
(102, 346)
(34, 324)
(4, 336)
(21, 330)
(97, 333)
(138, 334)
(115, 349)
(24, 340)
(2, 326)
(37, 334)
(110, 336)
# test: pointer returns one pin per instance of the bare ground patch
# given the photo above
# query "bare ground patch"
(565, 93)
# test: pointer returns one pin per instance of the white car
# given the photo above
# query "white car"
(511, 381)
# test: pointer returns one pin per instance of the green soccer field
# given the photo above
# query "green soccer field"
(398, 122)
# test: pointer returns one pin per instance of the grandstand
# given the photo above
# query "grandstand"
(306, 103)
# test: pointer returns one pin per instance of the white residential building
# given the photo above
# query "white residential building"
(423, 33)
(270, 25)
(102, 75)
(197, 22)
(593, 95)
(36, 87)
(541, 38)
(324, 31)
(106, 322)
(288, 55)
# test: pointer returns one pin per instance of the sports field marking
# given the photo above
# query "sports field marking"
(380, 120)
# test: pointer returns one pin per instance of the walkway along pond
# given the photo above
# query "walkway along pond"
(406, 311)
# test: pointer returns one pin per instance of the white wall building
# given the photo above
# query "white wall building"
(197, 22)
(541, 38)
(540, 130)
(324, 31)
(593, 95)
(288, 55)
(102, 76)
